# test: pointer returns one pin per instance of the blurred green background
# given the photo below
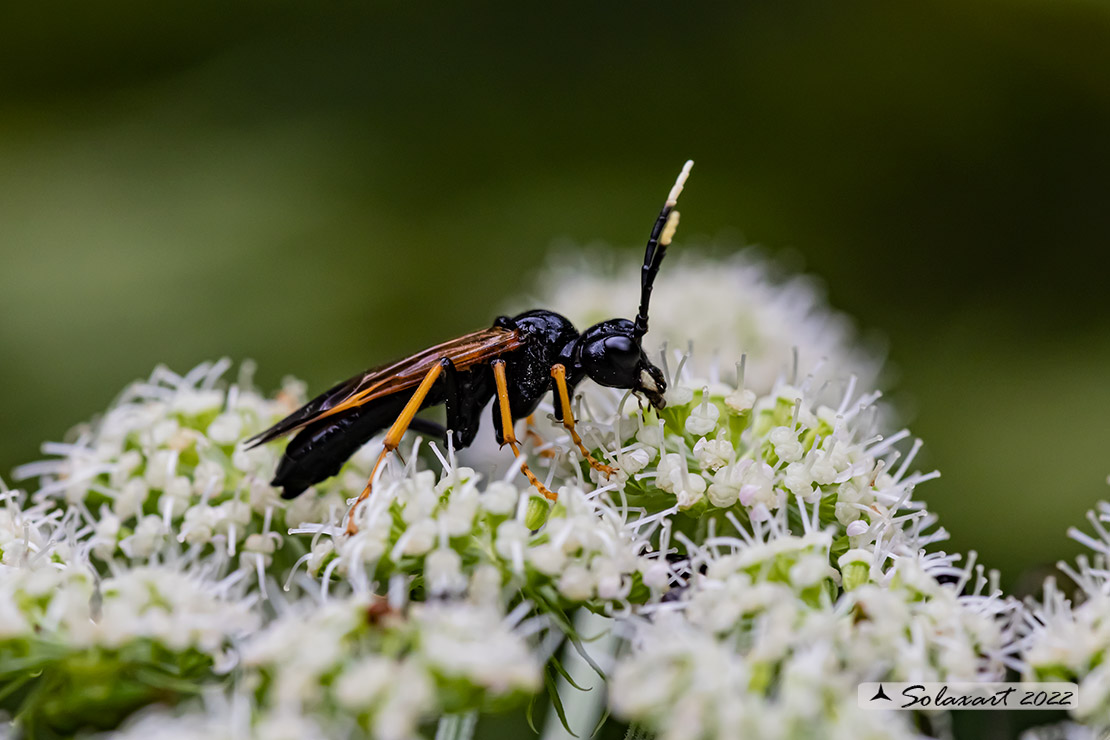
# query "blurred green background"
(323, 186)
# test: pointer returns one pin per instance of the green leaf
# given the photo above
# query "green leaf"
(529, 712)
(578, 647)
(556, 702)
(558, 666)
(601, 722)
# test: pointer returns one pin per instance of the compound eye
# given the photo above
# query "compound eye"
(622, 351)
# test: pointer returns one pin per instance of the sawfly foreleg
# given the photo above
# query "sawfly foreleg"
(559, 373)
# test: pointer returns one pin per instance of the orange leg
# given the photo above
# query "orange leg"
(393, 436)
(559, 373)
(507, 427)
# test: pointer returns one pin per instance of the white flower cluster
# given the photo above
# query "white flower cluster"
(797, 458)
(220, 717)
(107, 641)
(787, 532)
(778, 527)
(163, 473)
(465, 537)
(735, 305)
(358, 668)
(70, 607)
(1071, 642)
(759, 546)
(773, 618)
(718, 456)
(961, 630)
(155, 543)
(683, 683)
(389, 671)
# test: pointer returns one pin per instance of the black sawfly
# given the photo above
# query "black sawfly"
(514, 362)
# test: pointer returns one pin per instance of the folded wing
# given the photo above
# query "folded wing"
(465, 352)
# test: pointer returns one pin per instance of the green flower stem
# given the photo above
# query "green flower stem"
(457, 726)
(583, 707)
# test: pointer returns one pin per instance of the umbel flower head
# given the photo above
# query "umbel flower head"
(723, 459)
(1066, 641)
(155, 548)
(795, 557)
(764, 644)
(777, 526)
(770, 523)
(163, 475)
(355, 668)
(759, 549)
(389, 670)
(82, 649)
(719, 460)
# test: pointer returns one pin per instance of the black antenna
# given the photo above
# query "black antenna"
(660, 238)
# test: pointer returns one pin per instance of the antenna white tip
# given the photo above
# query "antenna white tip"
(672, 197)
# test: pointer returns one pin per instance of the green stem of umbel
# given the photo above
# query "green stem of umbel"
(457, 726)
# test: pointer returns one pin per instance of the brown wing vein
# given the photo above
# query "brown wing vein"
(465, 352)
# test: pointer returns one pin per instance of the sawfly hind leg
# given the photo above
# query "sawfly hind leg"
(507, 428)
(393, 437)
(559, 373)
